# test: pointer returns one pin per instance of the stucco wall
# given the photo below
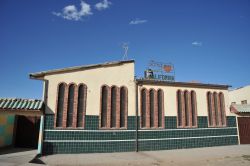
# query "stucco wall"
(119, 75)
(239, 95)
(170, 103)
(6, 129)
(123, 75)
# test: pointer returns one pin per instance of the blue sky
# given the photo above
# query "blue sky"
(207, 40)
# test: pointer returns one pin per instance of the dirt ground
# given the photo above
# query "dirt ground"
(214, 156)
(238, 155)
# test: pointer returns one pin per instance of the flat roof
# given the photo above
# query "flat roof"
(41, 74)
(181, 84)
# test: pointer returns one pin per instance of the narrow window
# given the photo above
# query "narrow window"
(81, 106)
(60, 102)
(186, 94)
(209, 107)
(104, 99)
(123, 106)
(193, 108)
(179, 104)
(216, 111)
(151, 96)
(143, 108)
(222, 108)
(113, 106)
(160, 107)
(244, 102)
(70, 105)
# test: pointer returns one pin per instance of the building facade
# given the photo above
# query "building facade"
(240, 95)
(103, 108)
(240, 105)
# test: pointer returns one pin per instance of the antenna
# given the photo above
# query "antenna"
(125, 47)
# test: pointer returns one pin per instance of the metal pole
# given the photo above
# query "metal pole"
(41, 129)
(136, 109)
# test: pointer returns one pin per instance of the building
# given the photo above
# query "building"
(240, 105)
(240, 95)
(103, 108)
(20, 122)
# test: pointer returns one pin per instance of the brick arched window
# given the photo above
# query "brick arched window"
(123, 106)
(152, 108)
(222, 109)
(186, 107)
(193, 108)
(143, 107)
(113, 106)
(160, 100)
(152, 105)
(70, 109)
(216, 108)
(104, 105)
(81, 105)
(210, 108)
(60, 103)
(179, 108)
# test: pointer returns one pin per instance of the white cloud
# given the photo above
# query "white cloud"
(70, 12)
(137, 21)
(197, 43)
(103, 5)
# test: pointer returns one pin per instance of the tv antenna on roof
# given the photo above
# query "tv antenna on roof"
(125, 47)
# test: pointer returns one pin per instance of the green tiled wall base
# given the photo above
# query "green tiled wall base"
(186, 133)
(91, 122)
(170, 122)
(169, 138)
(186, 143)
(86, 135)
(88, 147)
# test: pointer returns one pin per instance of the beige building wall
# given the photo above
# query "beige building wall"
(123, 75)
(239, 95)
(119, 75)
(170, 103)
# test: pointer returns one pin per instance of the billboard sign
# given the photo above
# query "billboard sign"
(160, 71)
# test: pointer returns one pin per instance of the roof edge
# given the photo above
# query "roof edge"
(183, 84)
(40, 75)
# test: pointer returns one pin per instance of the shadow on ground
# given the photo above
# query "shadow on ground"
(37, 160)
(8, 150)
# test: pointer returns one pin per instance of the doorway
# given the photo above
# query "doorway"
(244, 129)
(27, 131)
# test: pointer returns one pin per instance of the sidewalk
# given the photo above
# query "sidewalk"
(227, 155)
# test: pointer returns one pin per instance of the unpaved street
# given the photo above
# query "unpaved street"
(238, 155)
(226, 155)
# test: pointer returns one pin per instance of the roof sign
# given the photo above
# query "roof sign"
(160, 71)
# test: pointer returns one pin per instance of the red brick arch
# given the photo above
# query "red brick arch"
(117, 107)
(151, 122)
(216, 109)
(56, 107)
(85, 88)
(65, 105)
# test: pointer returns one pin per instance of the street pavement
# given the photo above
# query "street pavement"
(236, 155)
